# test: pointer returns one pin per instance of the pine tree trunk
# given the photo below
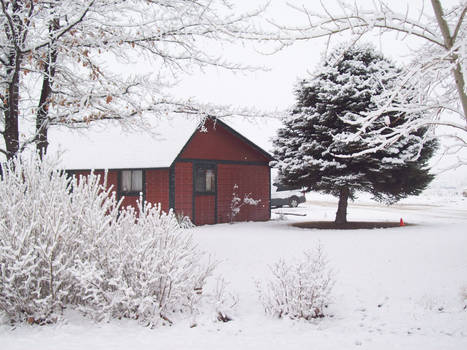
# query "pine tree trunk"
(341, 214)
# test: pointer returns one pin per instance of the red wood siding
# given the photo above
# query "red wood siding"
(219, 144)
(204, 210)
(184, 189)
(157, 187)
(252, 179)
(129, 201)
(112, 180)
(112, 177)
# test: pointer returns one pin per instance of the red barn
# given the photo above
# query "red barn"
(190, 168)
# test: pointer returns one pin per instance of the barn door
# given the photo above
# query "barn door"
(205, 193)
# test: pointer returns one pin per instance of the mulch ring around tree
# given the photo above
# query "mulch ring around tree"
(351, 225)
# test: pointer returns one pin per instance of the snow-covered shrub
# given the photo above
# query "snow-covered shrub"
(183, 220)
(46, 219)
(301, 289)
(65, 244)
(223, 301)
(237, 203)
(150, 269)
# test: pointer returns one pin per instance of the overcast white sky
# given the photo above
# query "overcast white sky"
(274, 88)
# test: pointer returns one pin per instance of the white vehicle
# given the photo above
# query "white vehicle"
(282, 195)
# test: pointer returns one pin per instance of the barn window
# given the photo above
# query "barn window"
(205, 179)
(131, 182)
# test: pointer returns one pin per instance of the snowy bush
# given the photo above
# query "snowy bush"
(43, 227)
(298, 290)
(224, 302)
(183, 220)
(237, 203)
(150, 269)
(65, 244)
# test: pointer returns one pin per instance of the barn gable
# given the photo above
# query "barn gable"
(218, 141)
(230, 163)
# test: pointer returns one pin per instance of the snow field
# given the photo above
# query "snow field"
(396, 288)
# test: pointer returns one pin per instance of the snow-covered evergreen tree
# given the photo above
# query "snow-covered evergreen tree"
(437, 72)
(313, 150)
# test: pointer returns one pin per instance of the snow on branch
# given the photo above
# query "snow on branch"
(237, 203)
(299, 289)
(432, 85)
(65, 243)
(66, 62)
(357, 20)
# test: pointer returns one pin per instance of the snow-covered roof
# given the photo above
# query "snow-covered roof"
(109, 145)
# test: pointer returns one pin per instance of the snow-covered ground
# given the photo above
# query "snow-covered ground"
(398, 288)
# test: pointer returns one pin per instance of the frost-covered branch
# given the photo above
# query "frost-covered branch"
(300, 289)
(72, 66)
(432, 84)
(237, 203)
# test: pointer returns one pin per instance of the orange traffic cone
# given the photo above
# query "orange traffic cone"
(401, 223)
